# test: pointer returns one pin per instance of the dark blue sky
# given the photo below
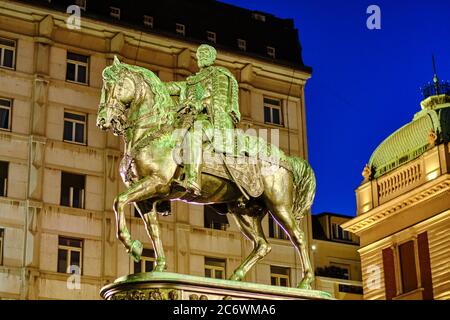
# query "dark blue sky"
(365, 83)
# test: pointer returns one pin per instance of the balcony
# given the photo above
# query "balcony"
(411, 175)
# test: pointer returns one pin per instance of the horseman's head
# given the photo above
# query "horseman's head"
(206, 55)
(118, 93)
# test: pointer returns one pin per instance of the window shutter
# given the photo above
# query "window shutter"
(425, 266)
(389, 273)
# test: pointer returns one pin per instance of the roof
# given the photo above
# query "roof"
(229, 22)
(412, 140)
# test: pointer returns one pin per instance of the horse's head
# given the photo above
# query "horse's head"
(118, 93)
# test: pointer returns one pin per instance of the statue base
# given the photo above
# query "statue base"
(174, 286)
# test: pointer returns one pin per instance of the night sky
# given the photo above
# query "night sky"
(365, 83)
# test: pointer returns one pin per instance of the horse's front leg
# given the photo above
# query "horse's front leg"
(140, 190)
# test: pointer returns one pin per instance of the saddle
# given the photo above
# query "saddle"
(244, 166)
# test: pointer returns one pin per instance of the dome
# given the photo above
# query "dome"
(429, 127)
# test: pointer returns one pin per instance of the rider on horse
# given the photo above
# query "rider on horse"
(210, 97)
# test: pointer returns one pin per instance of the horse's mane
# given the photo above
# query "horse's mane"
(162, 100)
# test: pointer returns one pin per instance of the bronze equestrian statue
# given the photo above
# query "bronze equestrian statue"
(166, 159)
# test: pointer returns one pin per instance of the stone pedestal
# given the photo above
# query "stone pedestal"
(174, 286)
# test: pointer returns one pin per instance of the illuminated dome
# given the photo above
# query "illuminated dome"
(429, 127)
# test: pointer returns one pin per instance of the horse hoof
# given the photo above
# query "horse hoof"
(136, 250)
(159, 268)
(304, 285)
(238, 275)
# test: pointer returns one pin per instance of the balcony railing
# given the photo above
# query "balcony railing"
(400, 181)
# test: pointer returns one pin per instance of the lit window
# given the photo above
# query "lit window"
(148, 21)
(407, 261)
(77, 68)
(7, 53)
(81, 4)
(259, 17)
(72, 190)
(242, 44)
(114, 12)
(147, 261)
(70, 255)
(2, 237)
(215, 268)
(74, 127)
(275, 231)
(272, 111)
(211, 36)
(5, 114)
(3, 178)
(280, 276)
(180, 29)
(214, 220)
(271, 52)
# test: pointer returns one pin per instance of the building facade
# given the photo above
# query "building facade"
(403, 207)
(59, 172)
(336, 258)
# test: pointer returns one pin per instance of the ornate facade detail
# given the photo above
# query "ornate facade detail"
(147, 294)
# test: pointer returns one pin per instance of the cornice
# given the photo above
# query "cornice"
(397, 205)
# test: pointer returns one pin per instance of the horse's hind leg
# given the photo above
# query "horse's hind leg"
(150, 218)
(250, 225)
(287, 221)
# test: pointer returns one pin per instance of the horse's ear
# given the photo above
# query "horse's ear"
(116, 61)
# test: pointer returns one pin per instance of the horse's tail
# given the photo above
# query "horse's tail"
(304, 186)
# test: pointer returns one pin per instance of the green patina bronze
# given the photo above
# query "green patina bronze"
(248, 179)
(413, 139)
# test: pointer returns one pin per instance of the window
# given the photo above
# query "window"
(342, 270)
(2, 237)
(72, 190)
(81, 4)
(3, 178)
(275, 231)
(280, 276)
(350, 289)
(74, 127)
(215, 268)
(259, 17)
(7, 53)
(77, 68)
(334, 270)
(214, 220)
(211, 36)
(114, 12)
(147, 261)
(242, 44)
(408, 272)
(339, 234)
(180, 29)
(148, 21)
(272, 111)
(70, 255)
(271, 52)
(5, 114)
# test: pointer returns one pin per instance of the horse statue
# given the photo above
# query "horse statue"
(136, 105)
